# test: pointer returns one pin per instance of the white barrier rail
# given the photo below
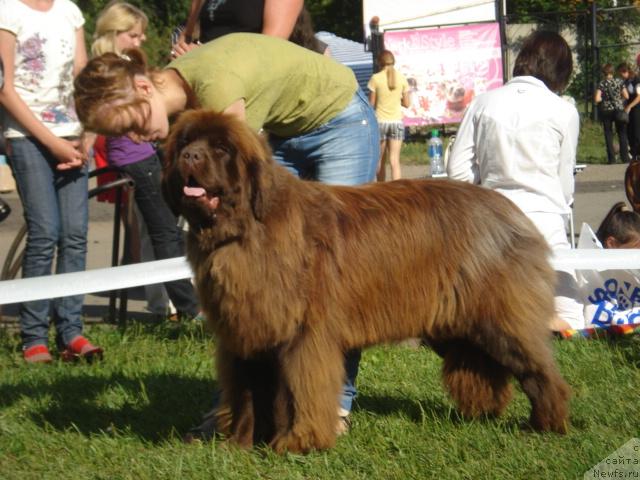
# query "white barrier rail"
(160, 271)
(596, 259)
(92, 281)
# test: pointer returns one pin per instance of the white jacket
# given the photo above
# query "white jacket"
(520, 140)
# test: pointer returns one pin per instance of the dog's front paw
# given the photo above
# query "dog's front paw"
(300, 443)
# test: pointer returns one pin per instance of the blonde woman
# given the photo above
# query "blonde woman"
(119, 27)
(389, 90)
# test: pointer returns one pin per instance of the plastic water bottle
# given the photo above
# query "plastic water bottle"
(434, 151)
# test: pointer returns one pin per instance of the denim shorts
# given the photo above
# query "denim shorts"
(391, 130)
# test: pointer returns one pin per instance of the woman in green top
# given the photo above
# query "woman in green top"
(320, 124)
(274, 85)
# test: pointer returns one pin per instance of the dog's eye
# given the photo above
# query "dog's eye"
(221, 149)
(182, 142)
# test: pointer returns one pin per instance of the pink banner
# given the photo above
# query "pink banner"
(446, 67)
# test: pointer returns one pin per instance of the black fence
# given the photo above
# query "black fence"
(602, 35)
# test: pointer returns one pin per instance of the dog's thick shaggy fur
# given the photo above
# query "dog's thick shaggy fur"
(291, 274)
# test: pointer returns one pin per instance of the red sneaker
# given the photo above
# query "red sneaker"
(37, 354)
(80, 347)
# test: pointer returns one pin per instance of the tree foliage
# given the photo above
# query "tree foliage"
(616, 28)
(615, 39)
(342, 17)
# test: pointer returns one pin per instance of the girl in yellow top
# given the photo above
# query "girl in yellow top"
(388, 91)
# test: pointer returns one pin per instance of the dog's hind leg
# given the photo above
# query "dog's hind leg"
(312, 371)
(477, 383)
(547, 391)
(531, 361)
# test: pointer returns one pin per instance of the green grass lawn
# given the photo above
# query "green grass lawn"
(591, 147)
(124, 417)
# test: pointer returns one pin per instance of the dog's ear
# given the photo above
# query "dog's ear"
(171, 186)
(255, 154)
(172, 144)
(260, 169)
(258, 192)
(172, 183)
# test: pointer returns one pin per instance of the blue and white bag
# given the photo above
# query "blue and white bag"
(610, 297)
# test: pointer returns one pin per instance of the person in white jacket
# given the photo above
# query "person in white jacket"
(521, 140)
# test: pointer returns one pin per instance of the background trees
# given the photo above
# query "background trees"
(342, 17)
(617, 27)
(609, 36)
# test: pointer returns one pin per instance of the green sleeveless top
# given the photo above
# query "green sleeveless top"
(288, 90)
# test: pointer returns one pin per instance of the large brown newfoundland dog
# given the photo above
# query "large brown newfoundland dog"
(291, 274)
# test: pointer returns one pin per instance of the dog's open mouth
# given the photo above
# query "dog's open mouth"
(193, 190)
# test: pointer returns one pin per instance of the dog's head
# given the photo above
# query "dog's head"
(455, 96)
(213, 173)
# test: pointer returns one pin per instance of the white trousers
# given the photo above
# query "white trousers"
(567, 301)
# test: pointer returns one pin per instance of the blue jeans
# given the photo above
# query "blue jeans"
(56, 210)
(343, 151)
(161, 223)
(340, 152)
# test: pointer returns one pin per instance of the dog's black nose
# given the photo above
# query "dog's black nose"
(193, 154)
(190, 155)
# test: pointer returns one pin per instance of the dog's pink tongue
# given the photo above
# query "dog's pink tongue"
(194, 191)
(199, 192)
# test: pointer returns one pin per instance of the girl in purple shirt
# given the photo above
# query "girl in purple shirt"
(119, 27)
